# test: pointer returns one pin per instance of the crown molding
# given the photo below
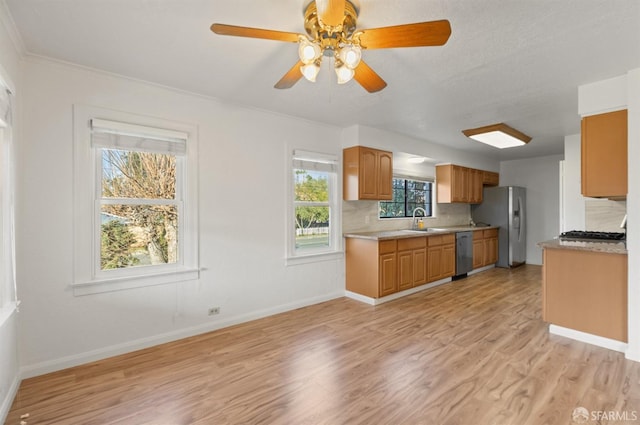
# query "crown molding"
(10, 25)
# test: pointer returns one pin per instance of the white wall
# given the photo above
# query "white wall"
(540, 176)
(242, 174)
(9, 368)
(573, 206)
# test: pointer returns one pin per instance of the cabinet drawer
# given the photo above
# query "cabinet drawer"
(411, 243)
(442, 240)
(477, 235)
(490, 233)
(386, 247)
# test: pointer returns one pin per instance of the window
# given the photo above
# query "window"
(408, 194)
(138, 217)
(314, 211)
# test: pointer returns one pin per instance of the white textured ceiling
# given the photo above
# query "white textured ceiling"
(513, 61)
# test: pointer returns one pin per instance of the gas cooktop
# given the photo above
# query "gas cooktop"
(595, 236)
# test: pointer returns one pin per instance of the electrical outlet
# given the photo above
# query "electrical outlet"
(214, 310)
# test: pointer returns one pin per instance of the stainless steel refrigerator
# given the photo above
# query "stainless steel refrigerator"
(505, 206)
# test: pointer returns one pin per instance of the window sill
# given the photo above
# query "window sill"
(314, 258)
(131, 282)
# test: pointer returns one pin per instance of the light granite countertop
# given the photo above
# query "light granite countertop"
(609, 247)
(407, 233)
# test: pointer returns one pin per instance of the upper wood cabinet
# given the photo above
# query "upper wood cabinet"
(475, 186)
(457, 184)
(489, 178)
(604, 155)
(367, 174)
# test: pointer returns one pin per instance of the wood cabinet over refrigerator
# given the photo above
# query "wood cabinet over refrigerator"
(604, 155)
(367, 174)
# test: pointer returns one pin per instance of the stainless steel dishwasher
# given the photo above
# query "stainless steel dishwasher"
(464, 253)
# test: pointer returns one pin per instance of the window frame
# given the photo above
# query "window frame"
(407, 213)
(8, 289)
(88, 277)
(294, 255)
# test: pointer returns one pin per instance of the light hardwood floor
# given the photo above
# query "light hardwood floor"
(474, 351)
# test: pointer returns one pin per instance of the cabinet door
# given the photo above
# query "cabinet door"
(490, 251)
(604, 155)
(460, 184)
(368, 174)
(387, 280)
(385, 175)
(434, 268)
(489, 178)
(448, 260)
(419, 266)
(405, 270)
(475, 186)
(478, 253)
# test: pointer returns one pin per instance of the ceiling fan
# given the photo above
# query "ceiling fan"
(331, 31)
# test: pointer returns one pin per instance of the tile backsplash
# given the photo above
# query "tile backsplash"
(362, 216)
(604, 215)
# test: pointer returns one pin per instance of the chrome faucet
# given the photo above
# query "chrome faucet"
(424, 214)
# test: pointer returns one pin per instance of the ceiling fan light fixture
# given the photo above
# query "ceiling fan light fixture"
(310, 71)
(344, 73)
(308, 51)
(350, 55)
(498, 135)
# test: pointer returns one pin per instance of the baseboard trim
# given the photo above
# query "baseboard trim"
(8, 400)
(37, 369)
(600, 341)
(481, 269)
(378, 301)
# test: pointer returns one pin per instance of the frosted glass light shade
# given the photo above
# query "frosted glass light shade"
(344, 73)
(310, 71)
(350, 55)
(498, 135)
(308, 51)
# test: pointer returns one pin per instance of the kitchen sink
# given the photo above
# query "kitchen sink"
(425, 230)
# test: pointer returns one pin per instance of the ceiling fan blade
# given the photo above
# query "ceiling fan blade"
(368, 78)
(433, 33)
(331, 12)
(223, 29)
(291, 77)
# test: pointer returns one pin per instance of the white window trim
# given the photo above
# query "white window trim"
(335, 250)
(8, 290)
(86, 276)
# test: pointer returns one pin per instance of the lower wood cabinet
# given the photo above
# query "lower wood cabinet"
(441, 257)
(585, 291)
(412, 262)
(485, 247)
(377, 268)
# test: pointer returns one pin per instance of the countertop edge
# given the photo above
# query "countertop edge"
(590, 246)
(407, 233)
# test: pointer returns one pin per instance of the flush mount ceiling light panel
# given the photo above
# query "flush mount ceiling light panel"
(498, 135)
(331, 33)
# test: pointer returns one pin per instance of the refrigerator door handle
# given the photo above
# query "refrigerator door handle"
(521, 221)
